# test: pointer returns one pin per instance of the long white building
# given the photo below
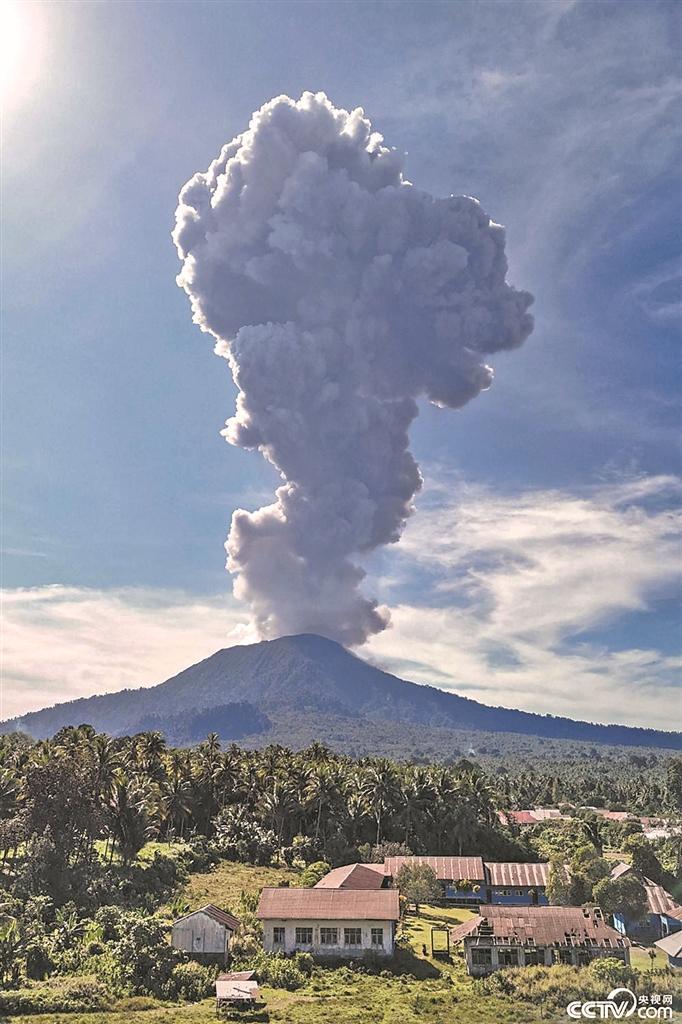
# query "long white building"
(329, 922)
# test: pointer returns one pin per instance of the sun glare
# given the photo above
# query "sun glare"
(18, 49)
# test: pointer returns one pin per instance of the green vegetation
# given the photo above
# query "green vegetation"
(104, 841)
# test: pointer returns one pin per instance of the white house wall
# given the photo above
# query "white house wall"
(318, 949)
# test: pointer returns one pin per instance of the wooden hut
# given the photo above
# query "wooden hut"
(205, 934)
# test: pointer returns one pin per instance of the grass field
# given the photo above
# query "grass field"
(416, 989)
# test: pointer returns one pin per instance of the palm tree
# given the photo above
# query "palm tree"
(380, 789)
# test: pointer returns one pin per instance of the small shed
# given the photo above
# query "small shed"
(205, 934)
(236, 988)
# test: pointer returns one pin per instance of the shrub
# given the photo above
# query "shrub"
(609, 970)
(192, 982)
(59, 995)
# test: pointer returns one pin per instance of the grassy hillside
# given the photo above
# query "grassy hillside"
(412, 990)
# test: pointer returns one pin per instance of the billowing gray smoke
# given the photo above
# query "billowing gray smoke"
(339, 293)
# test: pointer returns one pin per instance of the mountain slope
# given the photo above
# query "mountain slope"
(310, 675)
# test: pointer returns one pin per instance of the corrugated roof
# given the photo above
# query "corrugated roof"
(620, 869)
(446, 868)
(545, 926)
(236, 990)
(330, 904)
(660, 901)
(221, 916)
(236, 975)
(462, 930)
(353, 876)
(671, 944)
(510, 874)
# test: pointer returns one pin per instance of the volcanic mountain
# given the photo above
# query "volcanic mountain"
(296, 689)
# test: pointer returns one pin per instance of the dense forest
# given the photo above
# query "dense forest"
(76, 810)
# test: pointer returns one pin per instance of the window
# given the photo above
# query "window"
(377, 936)
(482, 957)
(352, 936)
(563, 956)
(506, 892)
(518, 892)
(534, 957)
(304, 936)
(278, 936)
(329, 936)
(508, 958)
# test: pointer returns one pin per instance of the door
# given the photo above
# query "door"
(197, 942)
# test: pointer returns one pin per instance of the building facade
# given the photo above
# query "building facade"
(664, 915)
(345, 923)
(512, 884)
(462, 879)
(530, 936)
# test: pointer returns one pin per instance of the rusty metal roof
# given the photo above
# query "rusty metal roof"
(540, 926)
(510, 874)
(660, 901)
(329, 904)
(462, 930)
(621, 868)
(353, 876)
(221, 916)
(446, 868)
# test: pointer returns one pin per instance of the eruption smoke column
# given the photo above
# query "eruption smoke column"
(339, 294)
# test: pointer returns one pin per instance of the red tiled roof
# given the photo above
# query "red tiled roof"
(329, 904)
(522, 817)
(353, 876)
(545, 926)
(508, 873)
(221, 916)
(447, 868)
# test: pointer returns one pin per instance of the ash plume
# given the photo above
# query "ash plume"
(339, 294)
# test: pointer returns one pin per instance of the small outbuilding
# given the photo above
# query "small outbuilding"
(236, 988)
(672, 947)
(205, 934)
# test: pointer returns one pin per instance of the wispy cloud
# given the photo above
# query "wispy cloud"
(512, 592)
(521, 582)
(60, 643)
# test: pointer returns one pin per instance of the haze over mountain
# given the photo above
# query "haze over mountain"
(309, 687)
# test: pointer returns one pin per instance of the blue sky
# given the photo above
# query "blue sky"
(563, 119)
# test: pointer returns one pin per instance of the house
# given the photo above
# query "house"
(205, 934)
(672, 946)
(355, 876)
(528, 936)
(329, 922)
(462, 879)
(236, 988)
(665, 913)
(512, 884)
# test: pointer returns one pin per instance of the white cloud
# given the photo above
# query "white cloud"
(516, 579)
(60, 643)
(516, 582)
